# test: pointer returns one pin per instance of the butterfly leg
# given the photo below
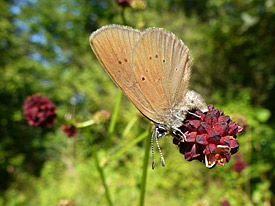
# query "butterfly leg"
(193, 114)
(181, 133)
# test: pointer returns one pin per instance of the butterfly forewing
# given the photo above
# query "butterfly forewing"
(161, 65)
(113, 46)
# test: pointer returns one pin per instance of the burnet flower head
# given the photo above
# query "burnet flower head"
(39, 111)
(124, 3)
(239, 164)
(69, 129)
(209, 137)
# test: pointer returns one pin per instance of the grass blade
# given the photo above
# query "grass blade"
(100, 170)
(113, 120)
(145, 168)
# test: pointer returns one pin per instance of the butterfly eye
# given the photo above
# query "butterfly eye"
(161, 130)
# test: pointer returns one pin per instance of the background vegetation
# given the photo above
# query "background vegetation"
(44, 49)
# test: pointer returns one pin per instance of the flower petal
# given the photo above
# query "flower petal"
(224, 119)
(213, 137)
(222, 128)
(204, 128)
(202, 139)
(233, 128)
(234, 145)
(210, 161)
(194, 153)
(211, 118)
(191, 137)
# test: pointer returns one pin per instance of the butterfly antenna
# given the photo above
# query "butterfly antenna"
(152, 147)
(161, 156)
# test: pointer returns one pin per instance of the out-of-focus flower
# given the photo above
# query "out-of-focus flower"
(138, 5)
(102, 116)
(239, 164)
(209, 137)
(69, 130)
(124, 3)
(39, 111)
(65, 202)
(202, 202)
(225, 202)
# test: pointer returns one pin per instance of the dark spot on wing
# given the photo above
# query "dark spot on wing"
(164, 60)
(150, 57)
(143, 78)
(157, 56)
(125, 60)
(119, 62)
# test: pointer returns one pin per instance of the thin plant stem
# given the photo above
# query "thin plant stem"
(123, 16)
(113, 120)
(85, 124)
(128, 146)
(144, 170)
(129, 126)
(125, 132)
(100, 170)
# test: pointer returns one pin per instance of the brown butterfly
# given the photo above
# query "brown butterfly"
(152, 68)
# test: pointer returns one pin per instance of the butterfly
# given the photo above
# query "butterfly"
(152, 68)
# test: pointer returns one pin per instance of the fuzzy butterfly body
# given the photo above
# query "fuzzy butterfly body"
(152, 68)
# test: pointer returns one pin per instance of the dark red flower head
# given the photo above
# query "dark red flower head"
(39, 111)
(124, 3)
(69, 130)
(225, 202)
(209, 137)
(239, 164)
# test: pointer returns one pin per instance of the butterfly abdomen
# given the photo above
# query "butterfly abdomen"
(193, 101)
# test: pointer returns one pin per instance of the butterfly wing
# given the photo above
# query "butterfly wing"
(161, 64)
(113, 46)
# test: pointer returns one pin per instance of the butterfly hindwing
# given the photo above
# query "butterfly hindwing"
(161, 64)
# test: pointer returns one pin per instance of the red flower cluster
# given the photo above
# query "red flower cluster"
(69, 130)
(209, 137)
(39, 111)
(124, 3)
(225, 202)
(239, 164)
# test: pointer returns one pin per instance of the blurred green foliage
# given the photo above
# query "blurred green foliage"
(44, 49)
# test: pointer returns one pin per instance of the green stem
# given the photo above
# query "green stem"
(144, 172)
(128, 146)
(85, 124)
(100, 170)
(129, 126)
(113, 120)
(123, 16)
